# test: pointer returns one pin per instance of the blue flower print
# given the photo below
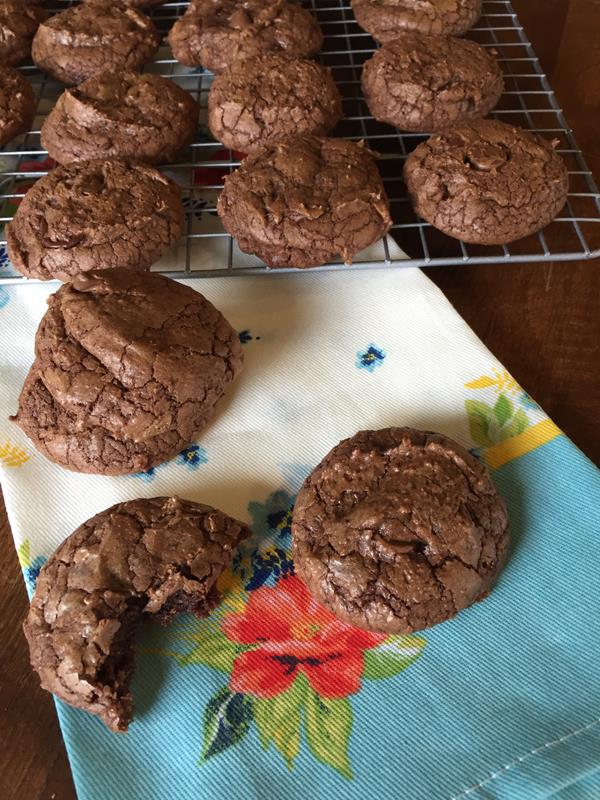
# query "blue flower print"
(262, 559)
(370, 358)
(477, 452)
(528, 401)
(4, 297)
(147, 476)
(31, 572)
(245, 337)
(192, 456)
(262, 567)
(4, 259)
(274, 516)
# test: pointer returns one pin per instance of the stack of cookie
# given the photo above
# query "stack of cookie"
(129, 367)
(480, 181)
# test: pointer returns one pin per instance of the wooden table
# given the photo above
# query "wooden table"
(541, 321)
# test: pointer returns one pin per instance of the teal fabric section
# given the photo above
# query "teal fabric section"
(502, 703)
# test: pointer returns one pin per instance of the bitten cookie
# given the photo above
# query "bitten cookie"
(215, 33)
(93, 38)
(18, 24)
(420, 82)
(121, 115)
(17, 104)
(304, 200)
(141, 559)
(384, 19)
(94, 214)
(258, 101)
(398, 529)
(128, 369)
(486, 182)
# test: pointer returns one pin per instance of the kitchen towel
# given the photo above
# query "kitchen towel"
(502, 702)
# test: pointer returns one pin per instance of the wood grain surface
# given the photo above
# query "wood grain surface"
(541, 320)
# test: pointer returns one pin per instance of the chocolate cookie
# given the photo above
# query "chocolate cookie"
(93, 38)
(129, 368)
(486, 182)
(91, 214)
(137, 3)
(384, 19)
(121, 115)
(399, 529)
(214, 33)
(18, 24)
(304, 200)
(258, 101)
(17, 104)
(142, 559)
(420, 82)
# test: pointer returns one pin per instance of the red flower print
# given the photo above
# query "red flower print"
(292, 634)
(37, 166)
(213, 176)
(30, 166)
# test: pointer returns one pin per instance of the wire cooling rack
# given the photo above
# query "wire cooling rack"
(207, 250)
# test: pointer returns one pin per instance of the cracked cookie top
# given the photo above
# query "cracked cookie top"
(94, 214)
(121, 115)
(420, 82)
(215, 33)
(304, 200)
(398, 529)
(17, 104)
(258, 101)
(94, 37)
(384, 19)
(18, 24)
(486, 182)
(154, 557)
(129, 368)
(134, 3)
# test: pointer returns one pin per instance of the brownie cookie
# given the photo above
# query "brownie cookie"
(129, 368)
(257, 101)
(420, 82)
(384, 19)
(18, 24)
(486, 182)
(121, 115)
(399, 529)
(17, 104)
(137, 3)
(141, 559)
(303, 201)
(92, 38)
(215, 33)
(94, 213)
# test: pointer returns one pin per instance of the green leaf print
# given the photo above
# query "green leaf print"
(227, 719)
(210, 647)
(24, 553)
(278, 721)
(328, 726)
(517, 425)
(503, 409)
(481, 419)
(392, 656)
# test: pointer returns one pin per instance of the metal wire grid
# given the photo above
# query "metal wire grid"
(207, 250)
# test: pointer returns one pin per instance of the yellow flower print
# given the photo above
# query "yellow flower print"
(502, 381)
(13, 456)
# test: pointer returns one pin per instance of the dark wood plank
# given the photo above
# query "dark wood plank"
(542, 321)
